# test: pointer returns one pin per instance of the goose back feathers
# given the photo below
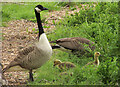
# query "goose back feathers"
(74, 44)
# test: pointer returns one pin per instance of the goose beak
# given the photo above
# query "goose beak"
(45, 8)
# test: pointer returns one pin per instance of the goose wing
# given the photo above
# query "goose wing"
(74, 43)
(90, 44)
(70, 43)
(17, 61)
(26, 51)
(23, 53)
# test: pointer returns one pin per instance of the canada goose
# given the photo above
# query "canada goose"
(63, 65)
(96, 60)
(35, 56)
(76, 45)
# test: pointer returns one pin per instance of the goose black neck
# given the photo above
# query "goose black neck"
(39, 23)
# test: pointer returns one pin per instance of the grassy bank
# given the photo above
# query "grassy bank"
(98, 24)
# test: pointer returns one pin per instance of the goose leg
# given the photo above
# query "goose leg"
(31, 76)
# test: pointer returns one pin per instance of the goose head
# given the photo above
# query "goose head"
(40, 8)
(97, 54)
(57, 62)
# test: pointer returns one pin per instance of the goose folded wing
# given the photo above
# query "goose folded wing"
(24, 52)
(69, 43)
(90, 44)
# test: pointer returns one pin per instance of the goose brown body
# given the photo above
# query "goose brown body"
(28, 59)
(74, 44)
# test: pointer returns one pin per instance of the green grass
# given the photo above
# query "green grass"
(13, 11)
(99, 24)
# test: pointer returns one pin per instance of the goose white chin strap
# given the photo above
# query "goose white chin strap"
(38, 10)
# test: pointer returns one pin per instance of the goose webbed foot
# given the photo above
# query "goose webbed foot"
(31, 76)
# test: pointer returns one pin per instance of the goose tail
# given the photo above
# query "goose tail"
(12, 69)
(13, 66)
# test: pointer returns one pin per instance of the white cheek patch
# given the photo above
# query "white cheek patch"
(38, 10)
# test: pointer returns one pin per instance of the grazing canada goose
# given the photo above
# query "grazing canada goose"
(63, 65)
(35, 56)
(96, 60)
(76, 45)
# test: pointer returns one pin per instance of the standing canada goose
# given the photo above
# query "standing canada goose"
(76, 45)
(63, 65)
(35, 56)
(96, 60)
